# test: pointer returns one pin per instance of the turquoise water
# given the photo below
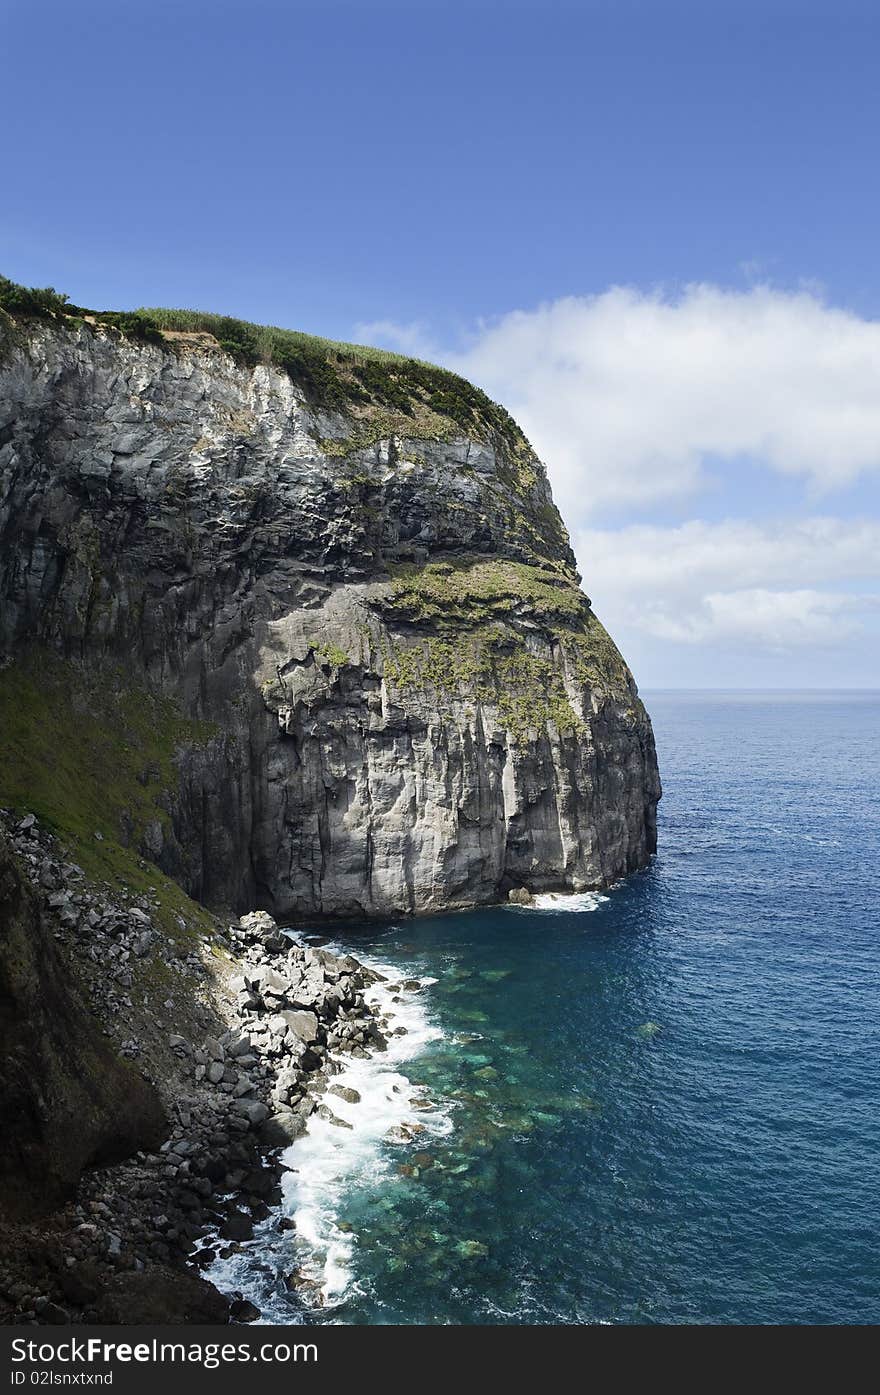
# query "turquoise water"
(662, 1109)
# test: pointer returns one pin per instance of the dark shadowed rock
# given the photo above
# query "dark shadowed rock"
(237, 1227)
(282, 1128)
(80, 1284)
(240, 1310)
(259, 1181)
(161, 1295)
(67, 1101)
(254, 1111)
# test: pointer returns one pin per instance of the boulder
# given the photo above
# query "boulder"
(282, 1128)
(259, 1181)
(303, 1025)
(346, 1093)
(257, 925)
(268, 981)
(520, 896)
(241, 1310)
(254, 1111)
(237, 1226)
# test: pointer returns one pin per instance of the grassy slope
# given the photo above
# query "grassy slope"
(89, 753)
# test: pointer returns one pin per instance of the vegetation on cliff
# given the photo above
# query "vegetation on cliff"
(353, 379)
(472, 591)
(365, 395)
(90, 1107)
(92, 756)
(377, 394)
(503, 634)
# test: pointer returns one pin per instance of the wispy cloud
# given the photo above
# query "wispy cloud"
(705, 583)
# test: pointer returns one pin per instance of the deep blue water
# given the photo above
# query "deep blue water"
(665, 1109)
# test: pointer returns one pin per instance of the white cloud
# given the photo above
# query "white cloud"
(633, 399)
(736, 582)
(626, 395)
(740, 553)
(777, 620)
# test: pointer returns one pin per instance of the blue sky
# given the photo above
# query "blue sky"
(650, 228)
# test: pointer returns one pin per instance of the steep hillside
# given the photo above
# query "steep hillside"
(338, 581)
(66, 1098)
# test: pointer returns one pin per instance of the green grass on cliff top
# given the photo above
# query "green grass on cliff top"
(372, 392)
(349, 378)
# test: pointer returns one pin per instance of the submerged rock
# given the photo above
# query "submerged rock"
(345, 1092)
(324, 1112)
(471, 1249)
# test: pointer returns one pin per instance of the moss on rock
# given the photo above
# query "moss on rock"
(503, 635)
(473, 591)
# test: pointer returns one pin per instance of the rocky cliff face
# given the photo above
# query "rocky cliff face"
(66, 1098)
(373, 603)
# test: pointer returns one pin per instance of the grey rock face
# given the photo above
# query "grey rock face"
(374, 751)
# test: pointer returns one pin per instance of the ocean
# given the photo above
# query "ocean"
(657, 1105)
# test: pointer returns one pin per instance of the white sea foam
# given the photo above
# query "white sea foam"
(330, 1165)
(565, 901)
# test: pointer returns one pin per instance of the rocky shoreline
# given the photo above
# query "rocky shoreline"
(240, 1050)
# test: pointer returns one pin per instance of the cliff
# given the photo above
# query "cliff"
(342, 577)
(66, 1098)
